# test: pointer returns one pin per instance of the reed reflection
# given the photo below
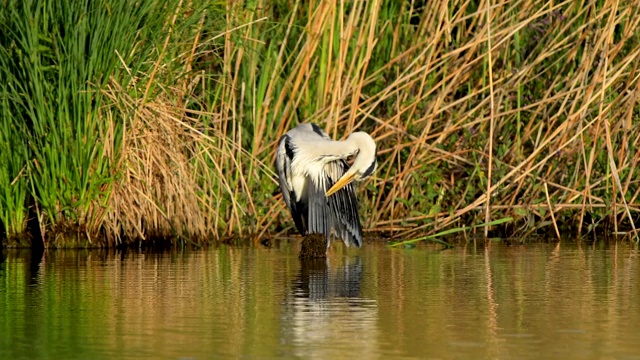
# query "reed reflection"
(35, 258)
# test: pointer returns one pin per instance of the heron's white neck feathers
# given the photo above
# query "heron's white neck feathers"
(324, 151)
(366, 157)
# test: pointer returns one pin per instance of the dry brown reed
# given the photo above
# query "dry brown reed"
(156, 191)
(540, 128)
(563, 79)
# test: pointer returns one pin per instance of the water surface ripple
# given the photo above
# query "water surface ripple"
(538, 300)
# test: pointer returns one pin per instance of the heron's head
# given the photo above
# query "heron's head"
(364, 163)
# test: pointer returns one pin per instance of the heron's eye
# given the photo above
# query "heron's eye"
(351, 158)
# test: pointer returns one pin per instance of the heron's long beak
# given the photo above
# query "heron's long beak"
(342, 182)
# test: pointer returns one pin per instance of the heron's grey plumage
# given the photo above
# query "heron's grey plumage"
(309, 163)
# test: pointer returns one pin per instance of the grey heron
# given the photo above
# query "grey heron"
(317, 182)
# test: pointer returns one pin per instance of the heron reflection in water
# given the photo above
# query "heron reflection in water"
(317, 282)
(326, 305)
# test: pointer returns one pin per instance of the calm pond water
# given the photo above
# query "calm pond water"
(492, 301)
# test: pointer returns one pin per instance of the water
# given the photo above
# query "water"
(495, 301)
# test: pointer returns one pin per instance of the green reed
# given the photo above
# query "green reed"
(57, 56)
(13, 163)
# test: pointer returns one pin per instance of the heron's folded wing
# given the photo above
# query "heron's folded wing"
(284, 158)
(319, 221)
(344, 206)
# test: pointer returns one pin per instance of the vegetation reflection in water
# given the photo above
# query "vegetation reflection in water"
(542, 300)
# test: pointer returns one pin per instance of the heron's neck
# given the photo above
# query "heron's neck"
(340, 149)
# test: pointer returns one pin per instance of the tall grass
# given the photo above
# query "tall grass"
(162, 122)
(58, 58)
(13, 162)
